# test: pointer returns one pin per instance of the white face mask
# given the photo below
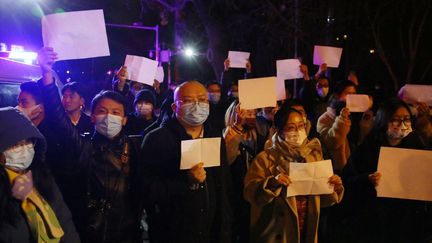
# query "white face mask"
(322, 92)
(19, 157)
(295, 137)
(144, 109)
(399, 132)
(109, 125)
(194, 114)
(30, 112)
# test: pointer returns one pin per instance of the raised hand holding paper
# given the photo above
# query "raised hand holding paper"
(327, 54)
(160, 74)
(357, 102)
(280, 89)
(414, 93)
(257, 93)
(76, 35)
(205, 150)
(141, 69)
(238, 59)
(288, 69)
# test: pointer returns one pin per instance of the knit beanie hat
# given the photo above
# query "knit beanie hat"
(145, 95)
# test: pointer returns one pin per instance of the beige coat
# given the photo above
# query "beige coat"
(333, 132)
(273, 215)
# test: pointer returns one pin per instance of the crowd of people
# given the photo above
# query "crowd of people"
(114, 175)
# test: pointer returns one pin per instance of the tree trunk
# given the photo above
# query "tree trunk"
(216, 35)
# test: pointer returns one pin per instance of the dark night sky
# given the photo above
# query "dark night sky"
(265, 35)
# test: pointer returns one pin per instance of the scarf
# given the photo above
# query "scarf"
(41, 219)
(286, 152)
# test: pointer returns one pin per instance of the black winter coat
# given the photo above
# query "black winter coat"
(177, 213)
(374, 219)
(106, 191)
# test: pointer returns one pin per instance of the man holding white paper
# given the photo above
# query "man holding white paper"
(229, 79)
(315, 92)
(188, 205)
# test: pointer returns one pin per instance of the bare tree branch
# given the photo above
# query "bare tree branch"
(410, 35)
(401, 40)
(375, 27)
(426, 71)
(414, 46)
(277, 12)
(177, 6)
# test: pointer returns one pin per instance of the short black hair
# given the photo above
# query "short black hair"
(145, 95)
(323, 76)
(213, 83)
(342, 85)
(295, 102)
(108, 94)
(33, 89)
(74, 87)
(281, 116)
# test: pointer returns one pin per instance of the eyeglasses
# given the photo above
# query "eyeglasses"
(199, 101)
(291, 127)
(397, 122)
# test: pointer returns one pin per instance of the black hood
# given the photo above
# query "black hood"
(14, 127)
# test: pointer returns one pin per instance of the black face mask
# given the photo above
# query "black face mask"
(338, 106)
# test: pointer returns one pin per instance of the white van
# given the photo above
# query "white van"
(12, 74)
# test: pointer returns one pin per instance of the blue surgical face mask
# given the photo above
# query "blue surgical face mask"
(194, 114)
(214, 97)
(108, 125)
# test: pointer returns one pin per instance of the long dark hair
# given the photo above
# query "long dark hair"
(384, 114)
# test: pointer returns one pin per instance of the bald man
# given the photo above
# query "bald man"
(185, 205)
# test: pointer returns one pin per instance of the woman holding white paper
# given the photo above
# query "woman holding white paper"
(274, 216)
(373, 219)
